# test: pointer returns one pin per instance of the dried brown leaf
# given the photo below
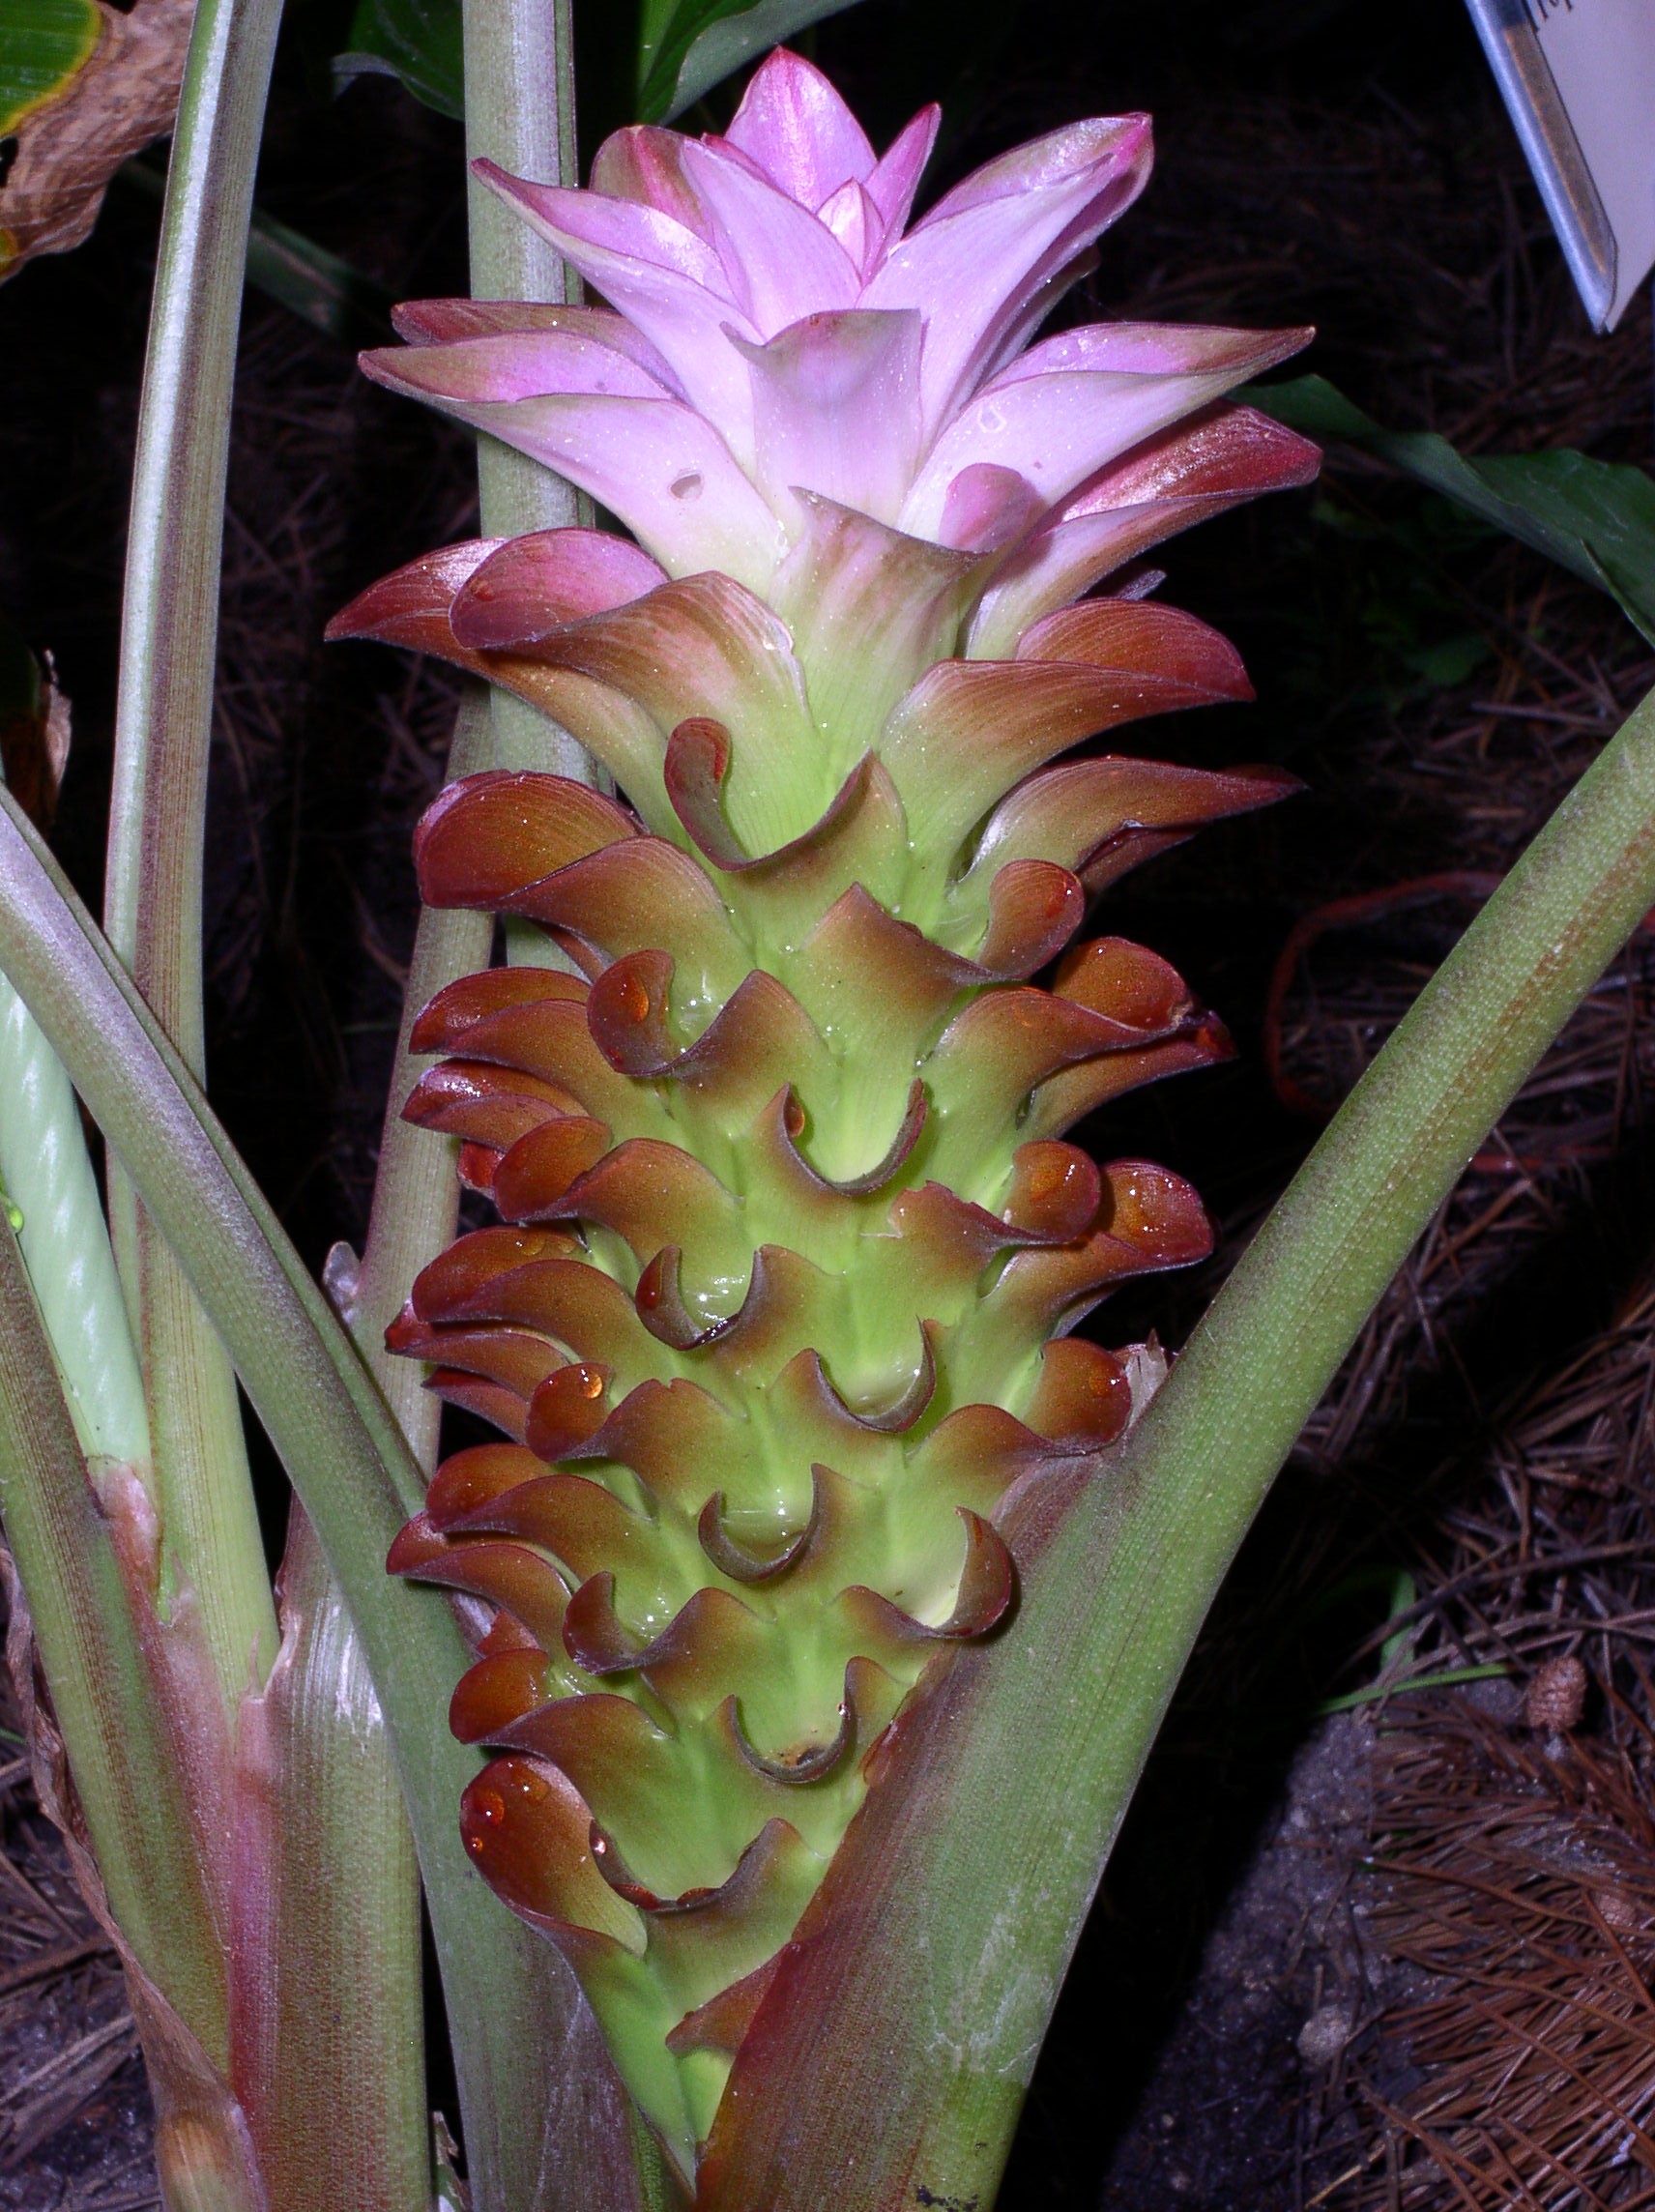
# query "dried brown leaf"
(124, 95)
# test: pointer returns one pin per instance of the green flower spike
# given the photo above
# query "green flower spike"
(777, 1323)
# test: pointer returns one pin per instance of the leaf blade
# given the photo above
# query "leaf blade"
(700, 42)
(1595, 518)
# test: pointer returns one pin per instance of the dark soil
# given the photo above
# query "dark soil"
(1224, 2040)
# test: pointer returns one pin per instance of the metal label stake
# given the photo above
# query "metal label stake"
(1579, 79)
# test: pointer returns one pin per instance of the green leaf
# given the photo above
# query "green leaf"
(687, 47)
(1595, 518)
(684, 47)
(417, 41)
(43, 45)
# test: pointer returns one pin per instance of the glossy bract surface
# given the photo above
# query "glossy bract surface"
(776, 1323)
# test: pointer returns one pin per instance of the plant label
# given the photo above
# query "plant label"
(1579, 79)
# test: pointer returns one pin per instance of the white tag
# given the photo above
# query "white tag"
(1579, 78)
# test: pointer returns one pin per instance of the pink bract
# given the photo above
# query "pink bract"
(780, 330)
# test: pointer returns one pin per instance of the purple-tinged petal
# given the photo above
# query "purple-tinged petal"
(659, 466)
(1060, 423)
(1074, 811)
(645, 164)
(1035, 310)
(536, 584)
(1229, 447)
(780, 262)
(440, 322)
(703, 647)
(895, 178)
(856, 224)
(836, 409)
(1181, 478)
(661, 277)
(1155, 349)
(972, 264)
(522, 366)
(987, 507)
(869, 611)
(411, 605)
(971, 729)
(798, 131)
(411, 608)
(623, 229)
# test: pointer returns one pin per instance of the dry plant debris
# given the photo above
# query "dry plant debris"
(1518, 1883)
(73, 2111)
(124, 95)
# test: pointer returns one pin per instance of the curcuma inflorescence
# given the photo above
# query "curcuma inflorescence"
(777, 1320)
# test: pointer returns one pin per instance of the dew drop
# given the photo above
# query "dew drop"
(686, 486)
(588, 1382)
(634, 999)
(491, 1811)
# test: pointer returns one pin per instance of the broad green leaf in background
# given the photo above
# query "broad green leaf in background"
(320, 288)
(687, 47)
(1595, 518)
(684, 47)
(417, 40)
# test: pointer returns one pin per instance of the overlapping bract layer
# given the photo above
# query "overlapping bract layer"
(776, 1322)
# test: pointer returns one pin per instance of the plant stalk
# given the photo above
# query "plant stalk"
(924, 2002)
(93, 1656)
(46, 1177)
(416, 1189)
(519, 99)
(159, 804)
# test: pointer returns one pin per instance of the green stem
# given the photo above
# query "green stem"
(335, 1966)
(46, 1176)
(329, 2027)
(416, 1190)
(990, 1828)
(520, 98)
(100, 1674)
(159, 807)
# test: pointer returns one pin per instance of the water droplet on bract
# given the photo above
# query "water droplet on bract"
(588, 1382)
(634, 999)
(686, 486)
(793, 1117)
(490, 1811)
(534, 1784)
